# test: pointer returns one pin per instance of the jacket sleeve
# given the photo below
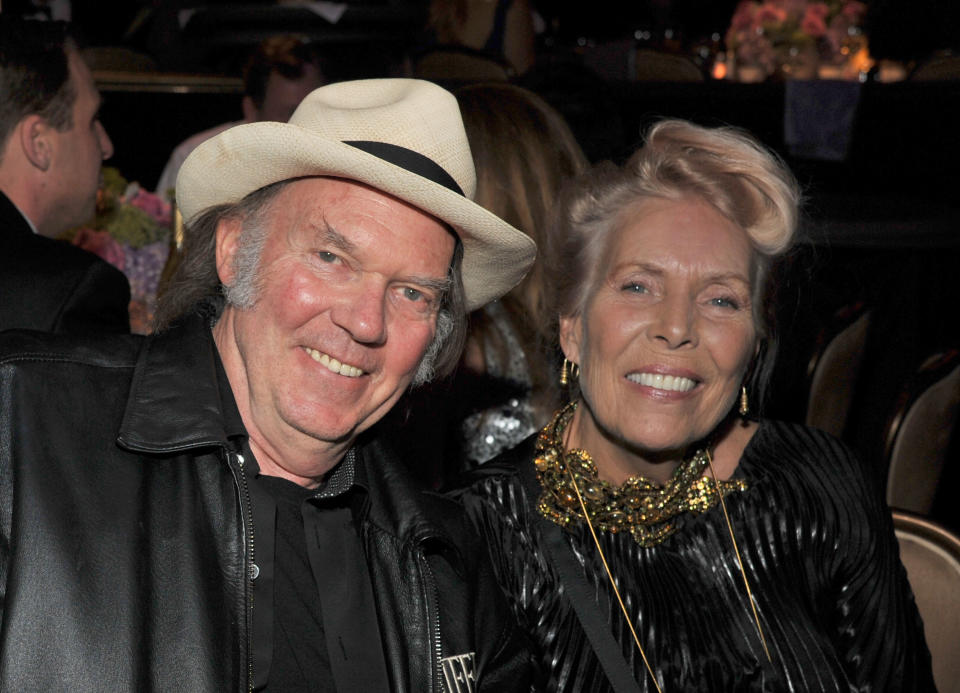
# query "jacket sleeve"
(98, 304)
(877, 630)
(508, 664)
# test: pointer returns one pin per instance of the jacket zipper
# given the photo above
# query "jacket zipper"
(249, 564)
(433, 616)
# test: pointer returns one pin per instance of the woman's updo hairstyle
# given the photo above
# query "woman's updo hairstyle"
(724, 166)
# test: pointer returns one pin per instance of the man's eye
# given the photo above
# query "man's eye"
(724, 302)
(327, 256)
(635, 288)
(413, 294)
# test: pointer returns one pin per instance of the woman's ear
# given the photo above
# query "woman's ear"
(227, 241)
(570, 336)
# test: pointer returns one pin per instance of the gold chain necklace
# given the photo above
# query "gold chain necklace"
(553, 431)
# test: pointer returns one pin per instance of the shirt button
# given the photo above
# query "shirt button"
(254, 571)
(240, 459)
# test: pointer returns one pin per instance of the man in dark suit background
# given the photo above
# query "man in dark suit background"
(51, 149)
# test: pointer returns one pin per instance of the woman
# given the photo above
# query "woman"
(523, 151)
(660, 278)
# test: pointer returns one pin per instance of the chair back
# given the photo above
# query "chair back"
(938, 68)
(931, 555)
(833, 369)
(658, 66)
(459, 65)
(919, 432)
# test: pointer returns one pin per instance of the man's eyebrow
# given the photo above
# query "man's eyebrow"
(340, 242)
(439, 286)
(335, 238)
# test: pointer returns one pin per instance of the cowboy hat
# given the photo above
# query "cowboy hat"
(403, 137)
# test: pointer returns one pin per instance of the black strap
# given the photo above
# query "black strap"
(585, 605)
(412, 161)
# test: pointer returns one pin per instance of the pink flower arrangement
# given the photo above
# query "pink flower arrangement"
(765, 34)
(131, 230)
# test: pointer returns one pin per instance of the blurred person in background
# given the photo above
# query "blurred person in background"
(53, 145)
(523, 151)
(278, 75)
(501, 29)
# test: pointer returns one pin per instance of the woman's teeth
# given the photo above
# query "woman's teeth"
(332, 364)
(674, 383)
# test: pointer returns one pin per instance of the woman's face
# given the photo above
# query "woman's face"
(666, 334)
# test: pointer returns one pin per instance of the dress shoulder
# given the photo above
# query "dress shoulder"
(800, 455)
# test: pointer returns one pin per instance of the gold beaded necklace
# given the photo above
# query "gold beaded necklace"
(639, 505)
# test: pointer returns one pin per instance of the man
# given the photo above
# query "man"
(280, 72)
(52, 148)
(212, 507)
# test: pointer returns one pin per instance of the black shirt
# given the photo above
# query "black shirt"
(314, 612)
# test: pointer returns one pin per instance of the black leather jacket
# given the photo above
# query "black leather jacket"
(123, 527)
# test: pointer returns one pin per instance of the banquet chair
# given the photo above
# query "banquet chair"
(459, 64)
(919, 431)
(658, 66)
(931, 555)
(942, 67)
(834, 366)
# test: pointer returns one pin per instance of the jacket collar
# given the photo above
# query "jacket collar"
(400, 505)
(180, 400)
(14, 223)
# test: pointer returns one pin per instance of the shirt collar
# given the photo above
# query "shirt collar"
(25, 217)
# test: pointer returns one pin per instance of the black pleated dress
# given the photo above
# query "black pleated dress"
(818, 548)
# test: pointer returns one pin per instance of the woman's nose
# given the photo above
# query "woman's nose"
(674, 323)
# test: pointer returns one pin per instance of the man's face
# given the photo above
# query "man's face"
(78, 154)
(284, 95)
(348, 288)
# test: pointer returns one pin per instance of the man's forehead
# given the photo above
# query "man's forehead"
(81, 76)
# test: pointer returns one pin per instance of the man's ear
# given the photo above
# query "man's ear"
(35, 136)
(251, 113)
(570, 336)
(227, 242)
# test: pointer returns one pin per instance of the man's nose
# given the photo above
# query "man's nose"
(362, 312)
(106, 146)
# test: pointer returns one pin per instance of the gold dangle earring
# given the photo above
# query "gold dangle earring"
(744, 404)
(569, 372)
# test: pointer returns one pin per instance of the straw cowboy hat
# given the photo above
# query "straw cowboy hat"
(401, 136)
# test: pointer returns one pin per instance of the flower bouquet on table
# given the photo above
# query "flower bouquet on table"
(132, 231)
(797, 39)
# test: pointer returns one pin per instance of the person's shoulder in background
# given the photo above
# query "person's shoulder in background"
(168, 178)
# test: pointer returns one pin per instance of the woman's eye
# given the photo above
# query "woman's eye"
(635, 288)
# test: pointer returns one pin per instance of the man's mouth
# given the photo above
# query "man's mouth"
(332, 364)
(673, 383)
